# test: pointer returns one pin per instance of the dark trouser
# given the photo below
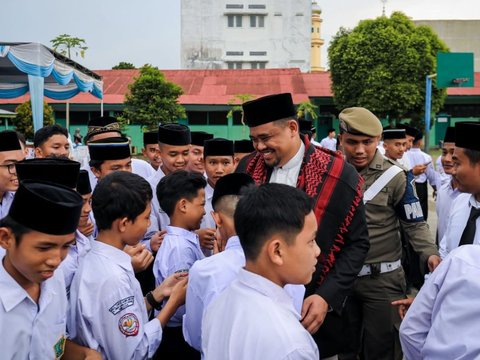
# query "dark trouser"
(174, 346)
(146, 279)
(422, 193)
(377, 321)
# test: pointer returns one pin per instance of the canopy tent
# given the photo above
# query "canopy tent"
(34, 67)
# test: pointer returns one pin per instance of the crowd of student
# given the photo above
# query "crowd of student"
(271, 248)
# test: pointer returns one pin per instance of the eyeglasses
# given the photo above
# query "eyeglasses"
(10, 168)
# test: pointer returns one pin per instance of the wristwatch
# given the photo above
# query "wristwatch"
(153, 303)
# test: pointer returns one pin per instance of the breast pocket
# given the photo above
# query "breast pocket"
(376, 210)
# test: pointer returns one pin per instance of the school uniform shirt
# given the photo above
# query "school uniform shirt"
(207, 221)
(5, 203)
(442, 322)
(459, 214)
(179, 251)
(107, 310)
(208, 278)
(254, 318)
(158, 218)
(445, 196)
(288, 173)
(75, 253)
(30, 330)
(328, 143)
(418, 157)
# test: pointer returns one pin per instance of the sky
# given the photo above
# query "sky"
(148, 31)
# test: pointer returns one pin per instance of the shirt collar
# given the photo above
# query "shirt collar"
(12, 294)
(189, 235)
(376, 163)
(296, 161)
(233, 242)
(208, 192)
(118, 256)
(473, 202)
(267, 288)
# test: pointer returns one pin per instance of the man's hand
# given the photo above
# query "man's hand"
(87, 229)
(206, 237)
(141, 257)
(419, 169)
(157, 239)
(403, 306)
(165, 289)
(179, 292)
(314, 310)
(433, 261)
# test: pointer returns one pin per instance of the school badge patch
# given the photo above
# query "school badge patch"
(129, 324)
(59, 347)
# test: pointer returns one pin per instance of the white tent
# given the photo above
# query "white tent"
(34, 67)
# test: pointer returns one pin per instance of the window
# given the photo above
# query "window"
(257, 6)
(234, 53)
(257, 65)
(197, 117)
(257, 21)
(258, 53)
(234, 21)
(234, 65)
(217, 118)
(234, 6)
(237, 118)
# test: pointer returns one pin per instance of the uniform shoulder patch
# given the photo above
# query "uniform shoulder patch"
(122, 305)
(129, 324)
(59, 347)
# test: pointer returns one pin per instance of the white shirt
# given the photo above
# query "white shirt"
(30, 330)
(459, 214)
(75, 253)
(329, 143)
(254, 318)
(180, 249)
(288, 173)
(207, 221)
(208, 278)
(418, 157)
(445, 196)
(443, 321)
(107, 310)
(158, 218)
(6, 203)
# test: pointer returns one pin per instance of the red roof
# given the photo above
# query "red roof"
(218, 87)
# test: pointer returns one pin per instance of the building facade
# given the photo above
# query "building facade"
(245, 34)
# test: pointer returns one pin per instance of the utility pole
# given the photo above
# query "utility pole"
(384, 2)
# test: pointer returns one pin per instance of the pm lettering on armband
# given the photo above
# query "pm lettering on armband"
(413, 211)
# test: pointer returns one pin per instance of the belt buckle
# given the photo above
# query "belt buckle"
(375, 269)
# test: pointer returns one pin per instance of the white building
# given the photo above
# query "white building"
(246, 34)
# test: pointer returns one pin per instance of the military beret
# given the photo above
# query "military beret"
(46, 207)
(174, 134)
(199, 137)
(467, 134)
(218, 147)
(449, 135)
(9, 141)
(394, 134)
(113, 148)
(230, 184)
(268, 108)
(359, 121)
(55, 170)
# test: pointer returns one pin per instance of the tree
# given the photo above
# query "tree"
(24, 119)
(122, 65)
(65, 43)
(152, 100)
(236, 102)
(381, 64)
(307, 109)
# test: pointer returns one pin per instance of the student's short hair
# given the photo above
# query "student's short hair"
(330, 130)
(47, 132)
(472, 155)
(21, 138)
(17, 229)
(227, 205)
(268, 210)
(178, 185)
(118, 195)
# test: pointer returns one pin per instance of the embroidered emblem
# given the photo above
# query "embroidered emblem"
(122, 305)
(59, 347)
(129, 325)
